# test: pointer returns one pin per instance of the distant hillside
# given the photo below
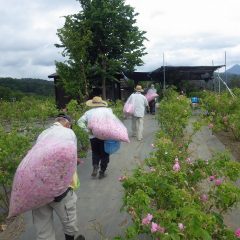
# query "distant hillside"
(28, 86)
(234, 70)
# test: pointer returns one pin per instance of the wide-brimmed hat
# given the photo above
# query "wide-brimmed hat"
(96, 102)
(138, 88)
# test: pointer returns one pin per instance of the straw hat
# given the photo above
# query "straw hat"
(138, 88)
(96, 102)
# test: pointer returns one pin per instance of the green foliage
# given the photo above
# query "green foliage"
(174, 111)
(234, 123)
(76, 110)
(11, 88)
(99, 42)
(8, 95)
(27, 110)
(187, 203)
(117, 108)
(223, 111)
(234, 81)
(83, 140)
(172, 197)
(13, 147)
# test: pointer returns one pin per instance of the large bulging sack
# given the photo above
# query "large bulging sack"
(128, 108)
(151, 96)
(44, 173)
(106, 126)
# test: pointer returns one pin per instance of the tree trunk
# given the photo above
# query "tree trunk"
(104, 88)
(85, 81)
(104, 95)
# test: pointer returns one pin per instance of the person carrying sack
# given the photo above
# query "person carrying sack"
(63, 205)
(99, 156)
(140, 103)
(152, 91)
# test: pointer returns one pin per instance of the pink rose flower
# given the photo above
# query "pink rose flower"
(218, 182)
(176, 166)
(211, 178)
(181, 226)
(237, 233)
(161, 229)
(156, 228)
(210, 125)
(204, 197)
(188, 160)
(122, 178)
(147, 219)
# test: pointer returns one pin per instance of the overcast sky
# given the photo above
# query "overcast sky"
(188, 32)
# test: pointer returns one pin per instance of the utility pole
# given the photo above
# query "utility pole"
(225, 67)
(164, 83)
(214, 85)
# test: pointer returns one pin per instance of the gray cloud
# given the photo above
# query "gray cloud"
(197, 41)
(28, 33)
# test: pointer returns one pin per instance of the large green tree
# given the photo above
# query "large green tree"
(99, 42)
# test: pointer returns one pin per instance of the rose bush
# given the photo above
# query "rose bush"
(186, 201)
(223, 111)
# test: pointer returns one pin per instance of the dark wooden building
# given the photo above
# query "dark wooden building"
(61, 98)
(174, 74)
(119, 89)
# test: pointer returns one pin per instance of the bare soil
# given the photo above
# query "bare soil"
(230, 143)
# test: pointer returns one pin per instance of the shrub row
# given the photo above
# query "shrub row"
(174, 197)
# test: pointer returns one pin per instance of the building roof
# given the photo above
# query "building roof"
(175, 74)
(172, 74)
(53, 75)
(140, 76)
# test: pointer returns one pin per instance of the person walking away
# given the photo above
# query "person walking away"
(140, 103)
(65, 204)
(99, 157)
(152, 103)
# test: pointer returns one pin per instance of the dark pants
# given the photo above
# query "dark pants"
(98, 154)
(152, 106)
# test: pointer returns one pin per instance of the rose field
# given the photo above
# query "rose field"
(171, 194)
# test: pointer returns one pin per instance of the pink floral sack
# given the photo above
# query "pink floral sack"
(128, 108)
(106, 126)
(44, 173)
(151, 96)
